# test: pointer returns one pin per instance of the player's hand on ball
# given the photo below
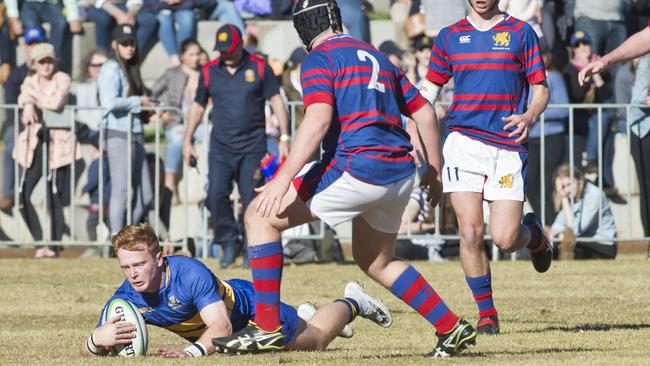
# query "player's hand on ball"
(270, 199)
(522, 122)
(114, 332)
(171, 353)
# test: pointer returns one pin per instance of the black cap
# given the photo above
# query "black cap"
(123, 33)
(227, 39)
(423, 42)
(390, 48)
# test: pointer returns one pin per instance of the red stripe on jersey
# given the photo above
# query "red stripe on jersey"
(531, 52)
(485, 136)
(469, 129)
(482, 56)
(536, 77)
(329, 46)
(318, 97)
(358, 125)
(368, 69)
(394, 159)
(485, 96)
(360, 80)
(316, 81)
(367, 114)
(533, 61)
(442, 56)
(437, 77)
(362, 149)
(488, 66)
(415, 104)
(316, 71)
(483, 107)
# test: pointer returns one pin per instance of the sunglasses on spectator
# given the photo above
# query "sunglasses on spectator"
(99, 64)
(46, 61)
(128, 43)
(583, 43)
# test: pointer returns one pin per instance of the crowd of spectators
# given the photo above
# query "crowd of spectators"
(572, 33)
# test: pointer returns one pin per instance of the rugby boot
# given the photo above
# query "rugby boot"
(488, 325)
(450, 344)
(371, 308)
(542, 256)
(251, 339)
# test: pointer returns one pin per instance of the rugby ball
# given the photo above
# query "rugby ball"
(128, 313)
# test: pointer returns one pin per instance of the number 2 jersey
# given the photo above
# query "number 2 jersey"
(368, 95)
(492, 71)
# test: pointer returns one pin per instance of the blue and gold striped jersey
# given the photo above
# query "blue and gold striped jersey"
(188, 287)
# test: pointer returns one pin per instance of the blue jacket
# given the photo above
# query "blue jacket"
(113, 89)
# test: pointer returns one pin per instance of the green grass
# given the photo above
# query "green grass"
(579, 313)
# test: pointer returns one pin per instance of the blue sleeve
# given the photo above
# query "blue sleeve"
(533, 62)
(108, 83)
(559, 95)
(439, 66)
(408, 96)
(589, 211)
(202, 285)
(119, 293)
(317, 79)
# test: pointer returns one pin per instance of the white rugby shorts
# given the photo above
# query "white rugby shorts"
(474, 166)
(344, 197)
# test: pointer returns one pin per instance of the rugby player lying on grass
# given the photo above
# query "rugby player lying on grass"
(182, 295)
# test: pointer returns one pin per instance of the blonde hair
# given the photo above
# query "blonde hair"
(564, 170)
(133, 235)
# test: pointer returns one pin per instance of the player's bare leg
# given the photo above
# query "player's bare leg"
(510, 233)
(374, 253)
(469, 211)
(320, 331)
(293, 212)
(329, 320)
(506, 229)
(264, 334)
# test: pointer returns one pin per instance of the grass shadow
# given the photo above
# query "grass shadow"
(589, 327)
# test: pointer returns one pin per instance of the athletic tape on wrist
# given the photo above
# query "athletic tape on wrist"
(92, 347)
(196, 349)
(430, 91)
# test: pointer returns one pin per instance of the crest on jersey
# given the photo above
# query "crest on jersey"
(249, 76)
(507, 181)
(173, 303)
(501, 39)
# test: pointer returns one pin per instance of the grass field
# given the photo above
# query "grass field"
(579, 313)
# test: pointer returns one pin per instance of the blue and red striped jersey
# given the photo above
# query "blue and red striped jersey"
(492, 71)
(368, 95)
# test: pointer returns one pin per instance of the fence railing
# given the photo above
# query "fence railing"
(204, 233)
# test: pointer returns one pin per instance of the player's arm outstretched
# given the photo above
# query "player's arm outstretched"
(635, 46)
(111, 333)
(215, 316)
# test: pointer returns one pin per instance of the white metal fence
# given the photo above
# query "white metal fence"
(205, 233)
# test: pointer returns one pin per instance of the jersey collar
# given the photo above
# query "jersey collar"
(506, 16)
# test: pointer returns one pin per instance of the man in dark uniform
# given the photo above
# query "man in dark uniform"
(239, 84)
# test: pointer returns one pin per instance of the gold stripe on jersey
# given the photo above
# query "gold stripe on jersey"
(227, 294)
(189, 329)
